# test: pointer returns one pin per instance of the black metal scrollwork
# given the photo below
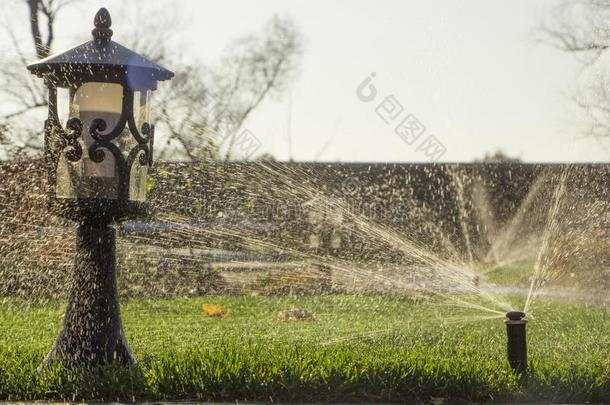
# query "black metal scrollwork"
(96, 149)
(98, 125)
(139, 153)
(75, 130)
(143, 135)
(96, 153)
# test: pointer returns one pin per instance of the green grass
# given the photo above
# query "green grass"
(358, 349)
(514, 274)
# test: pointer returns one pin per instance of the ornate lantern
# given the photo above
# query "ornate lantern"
(98, 149)
(98, 135)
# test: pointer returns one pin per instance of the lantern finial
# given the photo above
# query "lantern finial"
(102, 22)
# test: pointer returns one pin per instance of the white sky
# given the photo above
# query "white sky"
(470, 71)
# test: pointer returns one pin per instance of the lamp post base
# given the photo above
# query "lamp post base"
(92, 334)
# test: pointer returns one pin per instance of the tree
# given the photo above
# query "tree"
(22, 95)
(204, 109)
(497, 157)
(199, 113)
(580, 27)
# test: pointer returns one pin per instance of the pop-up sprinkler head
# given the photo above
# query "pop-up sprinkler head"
(516, 345)
(515, 315)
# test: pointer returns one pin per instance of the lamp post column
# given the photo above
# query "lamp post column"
(92, 333)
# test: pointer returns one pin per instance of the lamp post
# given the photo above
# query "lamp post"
(98, 149)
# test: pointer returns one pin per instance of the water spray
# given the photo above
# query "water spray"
(516, 343)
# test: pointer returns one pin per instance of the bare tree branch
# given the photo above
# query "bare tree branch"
(204, 107)
(580, 28)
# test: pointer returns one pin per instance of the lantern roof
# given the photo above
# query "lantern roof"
(101, 59)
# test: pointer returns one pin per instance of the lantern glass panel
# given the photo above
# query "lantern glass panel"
(138, 175)
(63, 105)
(141, 107)
(138, 181)
(86, 178)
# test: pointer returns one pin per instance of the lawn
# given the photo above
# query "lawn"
(515, 274)
(358, 348)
